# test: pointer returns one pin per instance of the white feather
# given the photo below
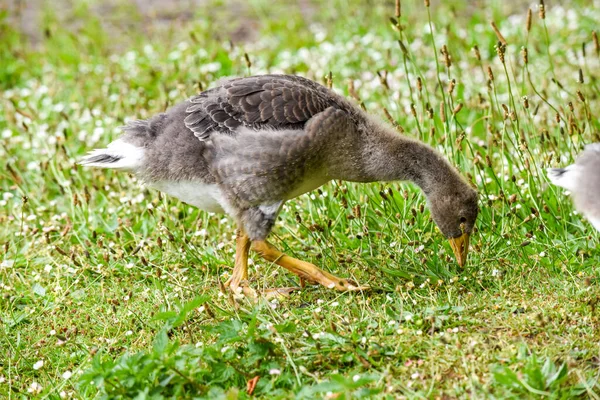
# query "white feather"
(130, 156)
(567, 178)
(207, 197)
(593, 147)
(595, 222)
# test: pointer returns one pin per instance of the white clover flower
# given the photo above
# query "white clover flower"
(34, 388)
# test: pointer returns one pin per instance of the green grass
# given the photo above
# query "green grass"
(110, 290)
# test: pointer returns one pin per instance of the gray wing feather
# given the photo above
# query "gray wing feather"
(261, 167)
(274, 102)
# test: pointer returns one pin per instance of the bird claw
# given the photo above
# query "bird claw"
(243, 291)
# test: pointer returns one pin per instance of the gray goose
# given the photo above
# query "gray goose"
(583, 180)
(248, 145)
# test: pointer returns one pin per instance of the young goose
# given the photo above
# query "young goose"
(248, 145)
(583, 180)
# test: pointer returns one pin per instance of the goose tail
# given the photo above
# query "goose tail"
(563, 177)
(127, 152)
(117, 155)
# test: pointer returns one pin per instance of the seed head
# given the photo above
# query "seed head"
(451, 86)
(490, 73)
(498, 33)
(525, 55)
(457, 109)
(447, 58)
(477, 54)
(529, 13)
(542, 10)
(505, 108)
(501, 50)
(413, 110)
(383, 78)
(391, 119)
(403, 48)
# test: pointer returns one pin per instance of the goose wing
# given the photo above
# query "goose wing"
(274, 102)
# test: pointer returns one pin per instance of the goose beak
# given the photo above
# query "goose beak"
(460, 246)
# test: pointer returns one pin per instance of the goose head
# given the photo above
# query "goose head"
(454, 209)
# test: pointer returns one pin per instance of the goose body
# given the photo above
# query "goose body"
(248, 145)
(582, 179)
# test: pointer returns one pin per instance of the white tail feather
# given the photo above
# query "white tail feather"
(564, 177)
(118, 154)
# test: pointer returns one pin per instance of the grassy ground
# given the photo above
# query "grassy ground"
(108, 289)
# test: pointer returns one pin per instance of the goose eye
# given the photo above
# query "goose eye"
(463, 220)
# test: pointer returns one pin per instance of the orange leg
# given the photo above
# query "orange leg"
(305, 270)
(238, 282)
